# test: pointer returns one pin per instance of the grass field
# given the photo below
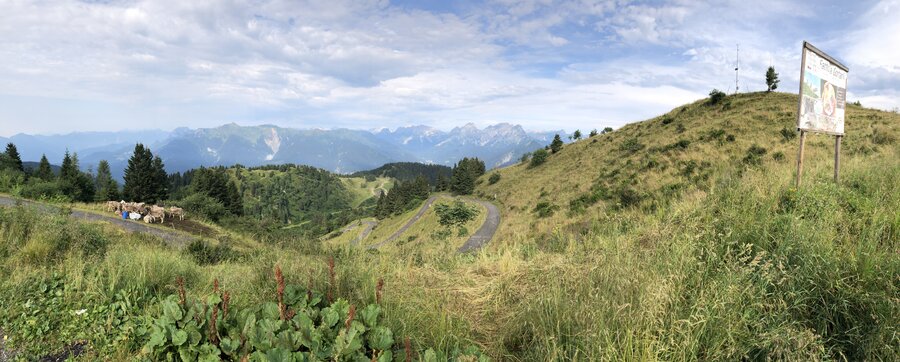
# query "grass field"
(736, 264)
(363, 190)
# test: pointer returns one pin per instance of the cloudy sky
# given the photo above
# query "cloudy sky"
(545, 64)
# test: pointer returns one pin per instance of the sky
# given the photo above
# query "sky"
(545, 64)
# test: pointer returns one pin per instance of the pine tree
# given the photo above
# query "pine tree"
(107, 188)
(465, 172)
(593, 133)
(44, 171)
(577, 135)
(556, 145)
(235, 204)
(68, 169)
(160, 180)
(771, 79)
(12, 156)
(145, 177)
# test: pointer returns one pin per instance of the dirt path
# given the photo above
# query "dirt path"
(487, 230)
(171, 237)
(409, 223)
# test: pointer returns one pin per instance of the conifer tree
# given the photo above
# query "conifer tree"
(771, 79)
(107, 188)
(12, 156)
(577, 135)
(145, 177)
(44, 171)
(556, 145)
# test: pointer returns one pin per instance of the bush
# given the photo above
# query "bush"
(204, 206)
(754, 155)
(778, 156)
(715, 96)
(788, 134)
(538, 157)
(631, 145)
(495, 177)
(458, 213)
(545, 209)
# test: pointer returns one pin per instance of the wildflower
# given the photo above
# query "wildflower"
(80, 311)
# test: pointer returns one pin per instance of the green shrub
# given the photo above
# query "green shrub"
(538, 157)
(788, 134)
(631, 146)
(778, 156)
(495, 177)
(545, 209)
(457, 213)
(204, 206)
(754, 155)
(715, 96)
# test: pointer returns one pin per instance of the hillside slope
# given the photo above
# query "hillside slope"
(647, 164)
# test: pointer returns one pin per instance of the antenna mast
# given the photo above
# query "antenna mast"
(737, 66)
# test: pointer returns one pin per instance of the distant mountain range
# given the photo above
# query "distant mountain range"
(339, 150)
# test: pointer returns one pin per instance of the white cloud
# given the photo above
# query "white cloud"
(368, 63)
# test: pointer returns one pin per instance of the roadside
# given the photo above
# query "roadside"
(171, 237)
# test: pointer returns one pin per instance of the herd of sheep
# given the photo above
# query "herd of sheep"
(150, 213)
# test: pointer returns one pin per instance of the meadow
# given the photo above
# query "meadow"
(735, 263)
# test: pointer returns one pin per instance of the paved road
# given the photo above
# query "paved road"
(482, 236)
(172, 237)
(487, 230)
(408, 223)
(365, 233)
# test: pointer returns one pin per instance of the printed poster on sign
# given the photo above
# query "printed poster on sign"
(823, 93)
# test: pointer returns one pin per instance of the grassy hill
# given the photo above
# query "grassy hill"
(671, 250)
(648, 164)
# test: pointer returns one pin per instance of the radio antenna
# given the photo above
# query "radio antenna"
(737, 67)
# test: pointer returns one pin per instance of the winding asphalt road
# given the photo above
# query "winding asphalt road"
(482, 236)
(365, 233)
(172, 237)
(487, 230)
(409, 223)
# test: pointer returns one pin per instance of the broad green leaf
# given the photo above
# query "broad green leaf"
(386, 356)
(213, 299)
(380, 338)
(187, 354)
(369, 315)
(179, 337)
(209, 353)
(171, 309)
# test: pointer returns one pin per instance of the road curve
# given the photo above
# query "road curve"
(487, 230)
(408, 223)
(365, 233)
(172, 237)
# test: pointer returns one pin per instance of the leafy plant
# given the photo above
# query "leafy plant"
(495, 177)
(299, 326)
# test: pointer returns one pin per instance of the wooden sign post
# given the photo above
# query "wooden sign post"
(800, 157)
(823, 102)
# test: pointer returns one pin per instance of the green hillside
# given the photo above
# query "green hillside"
(648, 164)
(676, 238)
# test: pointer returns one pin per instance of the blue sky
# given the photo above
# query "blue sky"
(545, 64)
